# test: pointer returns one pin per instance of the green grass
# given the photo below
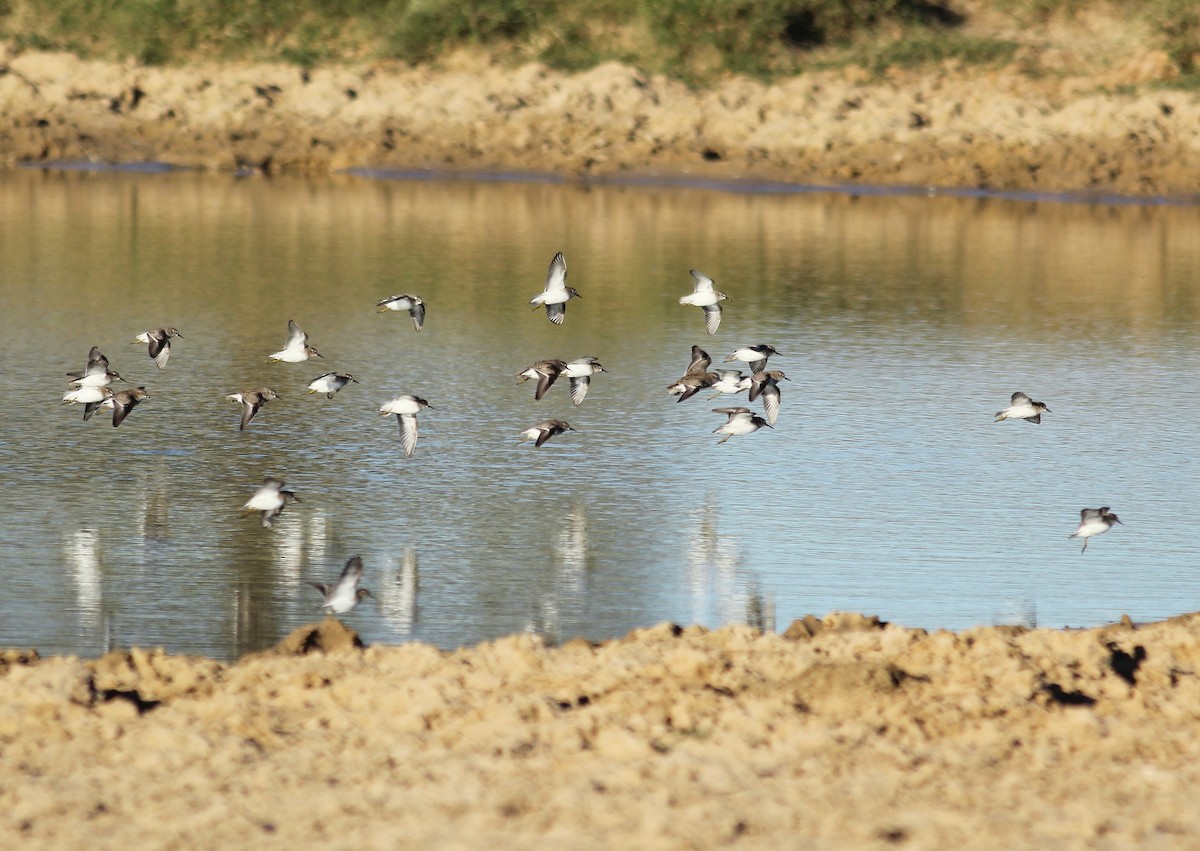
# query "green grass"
(695, 40)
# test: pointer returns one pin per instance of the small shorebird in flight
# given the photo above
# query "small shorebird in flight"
(330, 383)
(741, 421)
(296, 349)
(159, 342)
(545, 371)
(345, 594)
(251, 401)
(766, 384)
(544, 430)
(270, 500)
(557, 293)
(411, 303)
(580, 371)
(406, 408)
(1093, 521)
(124, 402)
(1023, 408)
(756, 356)
(705, 295)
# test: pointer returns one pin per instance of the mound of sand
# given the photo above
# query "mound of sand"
(947, 127)
(842, 732)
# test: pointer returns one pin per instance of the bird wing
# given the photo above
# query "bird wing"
(712, 318)
(771, 406)
(296, 338)
(556, 275)
(408, 433)
(556, 312)
(700, 361)
(1086, 514)
(546, 377)
(579, 389)
(352, 572)
(249, 409)
(704, 284)
(1020, 398)
(160, 350)
(418, 315)
(122, 405)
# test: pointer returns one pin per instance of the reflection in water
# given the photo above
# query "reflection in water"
(721, 589)
(397, 595)
(82, 550)
(870, 504)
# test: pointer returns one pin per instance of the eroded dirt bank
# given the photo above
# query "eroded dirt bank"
(949, 127)
(839, 734)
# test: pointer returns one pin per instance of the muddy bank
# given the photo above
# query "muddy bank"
(949, 127)
(840, 733)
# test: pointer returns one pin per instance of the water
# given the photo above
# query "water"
(903, 322)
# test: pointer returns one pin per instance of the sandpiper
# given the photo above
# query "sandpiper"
(95, 373)
(345, 594)
(270, 500)
(296, 349)
(405, 301)
(330, 383)
(1024, 408)
(545, 371)
(251, 401)
(124, 402)
(580, 371)
(406, 408)
(708, 297)
(544, 430)
(741, 421)
(766, 384)
(159, 342)
(90, 397)
(557, 293)
(756, 356)
(729, 381)
(696, 378)
(691, 384)
(1093, 521)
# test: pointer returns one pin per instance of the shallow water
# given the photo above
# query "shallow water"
(903, 322)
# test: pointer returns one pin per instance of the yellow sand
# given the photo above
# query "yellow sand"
(839, 734)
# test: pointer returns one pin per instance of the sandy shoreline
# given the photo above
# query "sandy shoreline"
(949, 127)
(839, 733)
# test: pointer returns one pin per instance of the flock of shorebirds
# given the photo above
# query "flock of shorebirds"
(91, 388)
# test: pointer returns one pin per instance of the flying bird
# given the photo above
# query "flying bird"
(330, 383)
(706, 296)
(270, 500)
(159, 342)
(345, 594)
(251, 401)
(406, 408)
(90, 397)
(411, 303)
(1094, 521)
(296, 349)
(756, 356)
(766, 384)
(1023, 408)
(122, 403)
(544, 430)
(545, 371)
(580, 371)
(557, 293)
(741, 421)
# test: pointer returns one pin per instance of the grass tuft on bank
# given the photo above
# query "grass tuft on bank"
(695, 40)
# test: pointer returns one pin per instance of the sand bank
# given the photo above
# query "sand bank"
(840, 733)
(952, 126)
